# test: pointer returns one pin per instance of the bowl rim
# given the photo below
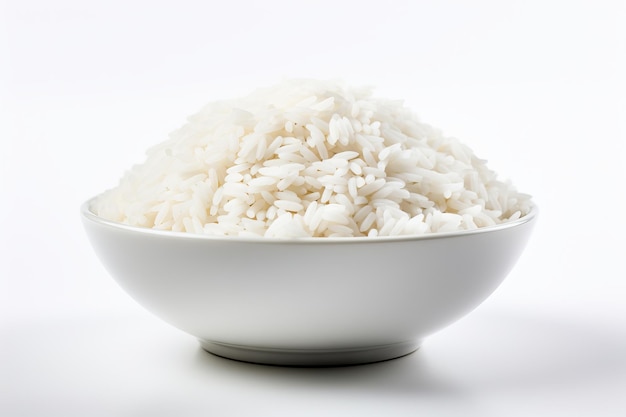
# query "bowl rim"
(89, 215)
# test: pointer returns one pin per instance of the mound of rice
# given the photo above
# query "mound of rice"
(310, 158)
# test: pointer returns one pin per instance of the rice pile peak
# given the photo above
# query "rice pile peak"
(308, 158)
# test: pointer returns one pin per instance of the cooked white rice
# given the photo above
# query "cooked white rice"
(310, 158)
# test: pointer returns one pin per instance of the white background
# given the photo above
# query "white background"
(535, 87)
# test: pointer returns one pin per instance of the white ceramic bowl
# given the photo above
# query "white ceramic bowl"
(313, 301)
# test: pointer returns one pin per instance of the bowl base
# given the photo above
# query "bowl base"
(311, 357)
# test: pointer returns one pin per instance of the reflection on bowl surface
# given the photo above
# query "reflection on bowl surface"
(312, 301)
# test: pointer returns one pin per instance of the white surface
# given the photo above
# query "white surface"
(537, 88)
(496, 362)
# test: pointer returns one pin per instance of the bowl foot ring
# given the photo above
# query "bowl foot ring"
(310, 357)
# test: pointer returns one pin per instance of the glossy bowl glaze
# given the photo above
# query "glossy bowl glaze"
(312, 301)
